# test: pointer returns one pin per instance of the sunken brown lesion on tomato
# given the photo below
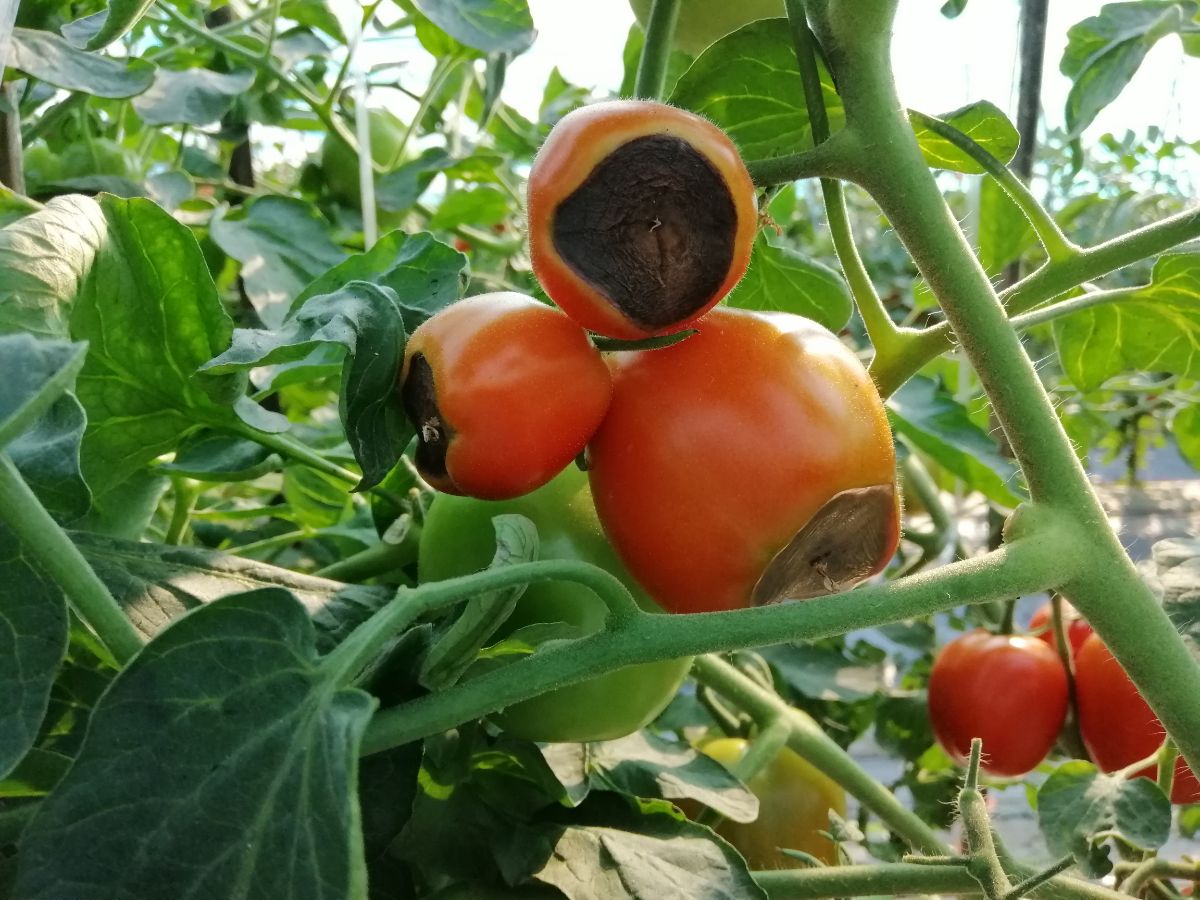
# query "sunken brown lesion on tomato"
(850, 538)
(418, 394)
(652, 228)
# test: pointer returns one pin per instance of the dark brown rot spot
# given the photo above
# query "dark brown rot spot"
(850, 538)
(419, 397)
(652, 228)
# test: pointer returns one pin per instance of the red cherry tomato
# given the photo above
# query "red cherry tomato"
(504, 392)
(749, 463)
(1118, 726)
(641, 217)
(1078, 630)
(1009, 691)
(462, 245)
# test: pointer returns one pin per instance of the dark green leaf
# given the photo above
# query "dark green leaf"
(33, 641)
(191, 96)
(782, 280)
(902, 725)
(47, 456)
(748, 83)
(399, 189)
(101, 29)
(493, 26)
(156, 584)
(823, 673)
(33, 375)
(951, 9)
(1103, 52)
(131, 281)
(316, 500)
(932, 421)
(645, 765)
(221, 457)
(48, 57)
(450, 657)
(36, 776)
(283, 244)
(983, 123)
(1079, 807)
(238, 780)
(364, 319)
(1157, 329)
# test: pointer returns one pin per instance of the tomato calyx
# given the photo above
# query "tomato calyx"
(652, 229)
(419, 397)
(849, 538)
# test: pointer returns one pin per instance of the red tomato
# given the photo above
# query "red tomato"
(641, 217)
(1078, 630)
(504, 392)
(1007, 690)
(750, 463)
(1118, 726)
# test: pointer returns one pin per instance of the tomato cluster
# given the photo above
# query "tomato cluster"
(1012, 692)
(750, 462)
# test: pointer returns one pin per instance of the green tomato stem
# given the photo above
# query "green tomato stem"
(1108, 590)
(880, 880)
(1035, 563)
(804, 736)
(1072, 737)
(1027, 886)
(365, 643)
(983, 862)
(186, 492)
(826, 160)
(1075, 304)
(651, 80)
(1167, 754)
(378, 559)
(48, 545)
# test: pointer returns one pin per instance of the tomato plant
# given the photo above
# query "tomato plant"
(458, 539)
(795, 800)
(504, 392)
(1077, 628)
(782, 425)
(1009, 691)
(1117, 725)
(255, 646)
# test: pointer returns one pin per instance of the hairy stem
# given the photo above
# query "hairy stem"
(651, 78)
(808, 740)
(48, 545)
(1022, 566)
(1074, 305)
(881, 880)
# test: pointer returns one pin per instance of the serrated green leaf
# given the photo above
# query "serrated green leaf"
(1079, 806)
(220, 763)
(1157, 329)
(51, 59)
(782, 280)
(934, 422)
(748, 83)
(1105, 51)
(982, 122)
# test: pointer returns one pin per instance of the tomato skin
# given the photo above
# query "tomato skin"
(458, 539)
(717, 450)
(1117, 725)
(1010, 691)
(578, 143)
(794, 802)
(703, 22)
(519, 392)
(1078, 630)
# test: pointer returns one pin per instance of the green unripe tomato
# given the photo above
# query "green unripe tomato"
(702, 23)
(99, 156)
(340, 163)
(458, 539)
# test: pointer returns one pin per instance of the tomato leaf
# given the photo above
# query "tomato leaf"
(482, 206)
(823, 673)
(215, 457)
(14, 206)
(457, 647)
(49, 58)
(677, 63)
(933, 422)
(982, 122)
(191, 96)
(156, 584)
(36, 775)
(1157, 329)
(1004, 232)
(239, 779)
(748, 83)
(781, 280)
(33, 374)
(101, 29)
(33, 641)
(493, 26)
(1177, 565)
(365, 321)
(132, 282)
(1079, 808)
(1105, 51)
(645, 765)
(1185, 426)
